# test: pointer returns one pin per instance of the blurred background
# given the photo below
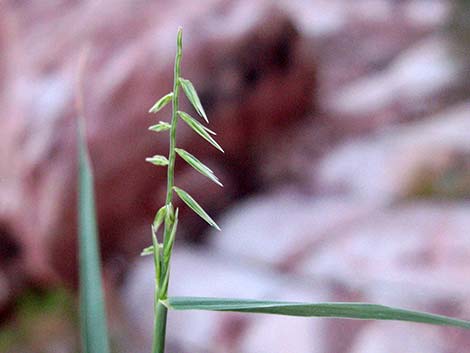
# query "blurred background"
(346, 126)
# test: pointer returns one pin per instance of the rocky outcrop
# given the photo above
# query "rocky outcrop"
(247, 59)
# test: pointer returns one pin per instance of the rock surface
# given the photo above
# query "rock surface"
(129, 65)
(426, 153)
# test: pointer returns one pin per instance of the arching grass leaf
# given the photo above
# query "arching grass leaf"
(158, 160)
(93, 325)
(362, 311)
(198, 165)
(191, 93)
(161, 126)
(161, 103)
(200, 129)
(188, 200)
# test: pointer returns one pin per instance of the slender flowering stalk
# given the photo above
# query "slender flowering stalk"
(166, 215)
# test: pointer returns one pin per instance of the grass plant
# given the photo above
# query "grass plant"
(167, 218)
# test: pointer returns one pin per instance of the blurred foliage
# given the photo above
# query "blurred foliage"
(42, 322)
(452, 182)
(459, 27)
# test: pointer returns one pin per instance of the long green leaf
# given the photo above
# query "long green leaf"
(161, 103)
(191, 93)
(94, 332)
(200, 129)
(198, 165)
(188, 200)
(362, 311)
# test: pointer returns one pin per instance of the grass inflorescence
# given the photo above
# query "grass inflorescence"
(166, 215)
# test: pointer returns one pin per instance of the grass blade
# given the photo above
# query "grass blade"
(161, 103)
(200, 129)
(191, 93)
(188, 200)
(362, 311)
(198, 165)
(93, 328)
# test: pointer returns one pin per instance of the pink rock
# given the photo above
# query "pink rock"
(389, 337)
(240, 56)
(278, 229)
(368, 168)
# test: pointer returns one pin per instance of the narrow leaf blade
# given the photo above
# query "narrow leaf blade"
(158, 160)
(200, 129)
(93, 326)
(198, 165)
(188, 200)
(363, 311)
(191, 93)
(162, 102)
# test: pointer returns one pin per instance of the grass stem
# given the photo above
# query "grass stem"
(161, 291)
(160, 327)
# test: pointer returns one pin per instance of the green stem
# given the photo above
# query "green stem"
(160, 309)
(160, 327)
(174, 120)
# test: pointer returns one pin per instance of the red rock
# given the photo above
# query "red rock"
(253, 77)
